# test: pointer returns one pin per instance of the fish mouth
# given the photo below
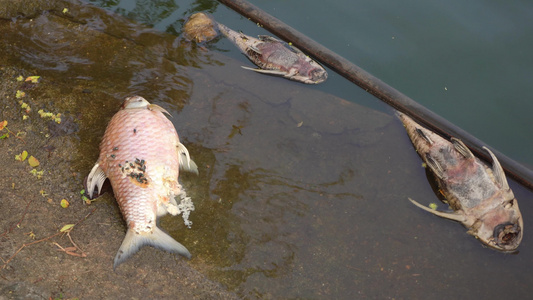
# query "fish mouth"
(507, 235)
(318, 76)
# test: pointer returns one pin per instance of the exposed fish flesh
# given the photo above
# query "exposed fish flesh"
(479, 195)
(275, 57)
(141, 155)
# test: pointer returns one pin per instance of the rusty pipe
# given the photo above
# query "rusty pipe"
(378, 88)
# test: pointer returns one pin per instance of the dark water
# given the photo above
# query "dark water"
(303, 194)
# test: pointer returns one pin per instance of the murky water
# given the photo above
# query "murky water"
(301, 194)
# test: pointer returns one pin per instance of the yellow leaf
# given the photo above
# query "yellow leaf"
(64, 203)
(20, 78)
(3, 124)
(67, 227)
(65, 10)
(22, 156)
(34, 162)
(20, 94)
(33, 79)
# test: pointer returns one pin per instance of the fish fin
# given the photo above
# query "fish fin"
(185, 161)
(223, 28)
(155, 107)
(270, 72)
(421, 133)
(435, 166)
(254, 49)
(451, 216)
(158, 239)
(268, 38)
(497, 170)
(462, 148)
(96, 178)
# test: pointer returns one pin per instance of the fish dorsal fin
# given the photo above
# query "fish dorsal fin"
(96, 178)
(185, 161)
(497, 170)
(462, 148)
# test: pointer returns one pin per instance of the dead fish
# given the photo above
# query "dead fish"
(479, 195)
(200, 27)
(141, 155)
(275, 57)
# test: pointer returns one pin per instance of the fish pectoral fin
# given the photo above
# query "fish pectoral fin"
(96, 178)
(157, 238)
(497, 170)
(185, 161)
(155, 107)
(451, 216)
(270, 72)
(435, 166)
(462, 148)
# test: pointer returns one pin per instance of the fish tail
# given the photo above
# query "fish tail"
(224, 29)
(158, 239)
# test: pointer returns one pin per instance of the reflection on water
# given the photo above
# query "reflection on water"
(300, 194)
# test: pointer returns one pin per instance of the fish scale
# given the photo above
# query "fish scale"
(141, 155)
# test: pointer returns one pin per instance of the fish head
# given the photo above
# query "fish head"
(135, 102)
(310, 72)
(318, 75)
(501, 228)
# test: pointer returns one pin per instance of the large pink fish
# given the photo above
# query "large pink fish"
(141, 155)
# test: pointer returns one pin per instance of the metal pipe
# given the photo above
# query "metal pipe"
(377, 87)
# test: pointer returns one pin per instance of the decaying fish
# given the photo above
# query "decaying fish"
(200, 27)
(479, 195)
(275, 57)
(141, 155)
